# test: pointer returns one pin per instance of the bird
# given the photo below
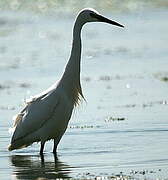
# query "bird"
(46, 115)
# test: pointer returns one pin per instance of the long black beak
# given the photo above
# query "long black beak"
(106, 20)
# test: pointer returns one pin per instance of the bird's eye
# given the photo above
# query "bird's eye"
(92, 15)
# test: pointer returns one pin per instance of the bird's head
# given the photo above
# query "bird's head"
(91, 15)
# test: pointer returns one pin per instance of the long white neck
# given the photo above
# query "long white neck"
(73, 66)
(71, 76)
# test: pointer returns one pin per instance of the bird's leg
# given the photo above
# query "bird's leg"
(55, 147)
(42, 159)
(56, 142)
(55, 158)
(42, 148)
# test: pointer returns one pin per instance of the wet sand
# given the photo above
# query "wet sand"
(121, 131)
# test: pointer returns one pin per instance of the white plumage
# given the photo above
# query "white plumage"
(46, 115)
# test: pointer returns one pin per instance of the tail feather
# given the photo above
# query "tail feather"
(16, 145)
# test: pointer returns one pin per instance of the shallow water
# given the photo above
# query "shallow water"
(123, 125)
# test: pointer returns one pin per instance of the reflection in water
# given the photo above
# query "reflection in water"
(32, 167)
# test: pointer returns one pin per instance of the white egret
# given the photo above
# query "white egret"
(46, 115)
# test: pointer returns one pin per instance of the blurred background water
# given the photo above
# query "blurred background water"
(123, 125)
(69, 6)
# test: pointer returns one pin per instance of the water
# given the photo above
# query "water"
(123, 125)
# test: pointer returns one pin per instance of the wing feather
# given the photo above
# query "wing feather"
(35, 114)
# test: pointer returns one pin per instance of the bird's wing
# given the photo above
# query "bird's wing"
(35, 114)
(18, 117)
